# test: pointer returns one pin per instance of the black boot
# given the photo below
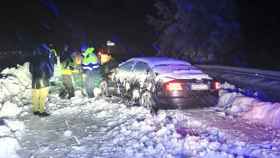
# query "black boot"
(44, 114)
(62, 94)
(36, 112)
(71, 93)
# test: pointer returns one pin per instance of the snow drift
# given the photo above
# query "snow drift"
(15, 88)
(249, 108)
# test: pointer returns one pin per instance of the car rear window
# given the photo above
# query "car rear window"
(175, 67)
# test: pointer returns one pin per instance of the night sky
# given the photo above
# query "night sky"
(260, 26)
(27, 23)
(73, 21)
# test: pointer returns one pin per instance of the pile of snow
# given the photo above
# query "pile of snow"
(16, 85)
(249, 108)
(15, 88)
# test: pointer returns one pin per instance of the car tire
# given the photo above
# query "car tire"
(209, 100)
(146, 100)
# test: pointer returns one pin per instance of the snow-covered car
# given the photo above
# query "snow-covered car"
(161, 82)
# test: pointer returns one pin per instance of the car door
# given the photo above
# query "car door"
(140, 72)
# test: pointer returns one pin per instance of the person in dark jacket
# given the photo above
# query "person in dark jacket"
(42, 68)
(108, 63)
(68, 69)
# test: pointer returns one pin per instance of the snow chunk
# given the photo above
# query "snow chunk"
(227, 85)
(10, 110)
(8, 147)
(161, 132)
(227, 99)
(68, 133)
(214, 146)
(12, 86)
(15, 125)
(146, 128)
(4, 131)
(21, 73)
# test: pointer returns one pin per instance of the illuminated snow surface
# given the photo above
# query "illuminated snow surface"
(105, 127)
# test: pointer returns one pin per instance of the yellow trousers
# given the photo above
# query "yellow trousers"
(39, 97)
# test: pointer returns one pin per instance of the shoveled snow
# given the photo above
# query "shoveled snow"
(249, 108)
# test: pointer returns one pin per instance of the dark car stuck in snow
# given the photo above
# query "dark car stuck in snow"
(161, 82)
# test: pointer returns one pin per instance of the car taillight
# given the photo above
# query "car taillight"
(216, 85)
(174, 86)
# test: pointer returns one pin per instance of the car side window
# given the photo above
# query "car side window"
(127, 66)
(141, 67)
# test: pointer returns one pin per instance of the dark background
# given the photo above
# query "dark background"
(260, 23)
(24, 24)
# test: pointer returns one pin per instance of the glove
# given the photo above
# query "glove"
(71, 67)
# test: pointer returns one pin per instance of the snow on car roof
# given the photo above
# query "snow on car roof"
(154, 61)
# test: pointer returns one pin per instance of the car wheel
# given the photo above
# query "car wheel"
(209, 100)
(146, 100)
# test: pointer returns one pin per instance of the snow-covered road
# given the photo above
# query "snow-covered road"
(105, 127)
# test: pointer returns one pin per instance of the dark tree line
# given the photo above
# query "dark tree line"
(200, 31)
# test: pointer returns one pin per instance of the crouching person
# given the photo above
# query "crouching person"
(91, 67)
(41, 67)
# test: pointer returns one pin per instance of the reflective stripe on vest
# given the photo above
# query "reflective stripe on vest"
(90, 66)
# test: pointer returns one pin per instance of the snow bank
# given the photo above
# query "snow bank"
(249, 108)
(8, 147)
(15, 88)
(265, 113)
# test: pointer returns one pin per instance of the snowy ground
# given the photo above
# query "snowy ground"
(106, 127)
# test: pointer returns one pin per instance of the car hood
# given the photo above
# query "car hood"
(183, 74)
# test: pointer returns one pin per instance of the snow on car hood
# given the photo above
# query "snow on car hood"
(174, 73)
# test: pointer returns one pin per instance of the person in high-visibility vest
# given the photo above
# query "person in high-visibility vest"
(91, 67)
(41, 67)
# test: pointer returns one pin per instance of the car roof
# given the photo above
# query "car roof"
(153, 61)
